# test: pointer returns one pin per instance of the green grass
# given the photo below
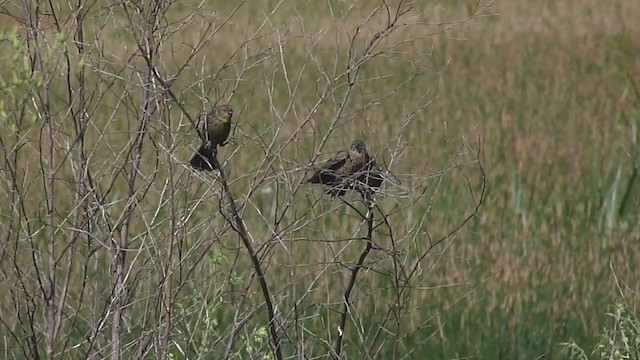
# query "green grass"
(545, 84)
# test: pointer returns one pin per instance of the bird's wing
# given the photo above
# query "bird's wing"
(337, 162)
(329, 170)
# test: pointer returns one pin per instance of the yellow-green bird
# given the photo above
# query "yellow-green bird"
(216, 128)
(338, 173)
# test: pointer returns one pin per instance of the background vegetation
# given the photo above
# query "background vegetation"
(547, 87)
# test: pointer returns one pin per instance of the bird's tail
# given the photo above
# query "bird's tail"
(203, 159)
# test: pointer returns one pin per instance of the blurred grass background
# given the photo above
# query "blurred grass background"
(547, 85)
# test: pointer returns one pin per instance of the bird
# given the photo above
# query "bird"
(216, 128)
(338, 173)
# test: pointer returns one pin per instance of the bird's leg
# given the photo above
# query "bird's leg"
(231, 141)
(369, 198)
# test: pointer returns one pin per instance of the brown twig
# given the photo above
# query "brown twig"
(238, 226)
(346, 306)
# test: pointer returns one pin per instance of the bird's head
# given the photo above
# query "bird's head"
(359, 146)
(225, 111)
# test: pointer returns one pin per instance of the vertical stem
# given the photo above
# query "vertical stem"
(50, 284)
(352, 281)
(122, 241)
(148, 49)
(79, 173)
(50, 232)
(168, 269)
(31, 17)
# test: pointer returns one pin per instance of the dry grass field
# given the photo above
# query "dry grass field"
(545, 89)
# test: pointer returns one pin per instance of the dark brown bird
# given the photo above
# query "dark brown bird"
(338, 173)
(216, 129)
